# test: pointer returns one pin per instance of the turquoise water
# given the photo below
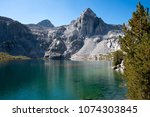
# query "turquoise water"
(60, 80)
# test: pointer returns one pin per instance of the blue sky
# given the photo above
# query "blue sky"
(61, 12)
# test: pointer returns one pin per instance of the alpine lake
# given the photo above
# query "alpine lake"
(60, 80)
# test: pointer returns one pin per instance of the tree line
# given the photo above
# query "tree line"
(135, 45)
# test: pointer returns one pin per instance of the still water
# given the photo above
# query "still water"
(60, 80)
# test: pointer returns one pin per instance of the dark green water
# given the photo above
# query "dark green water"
(55, 80)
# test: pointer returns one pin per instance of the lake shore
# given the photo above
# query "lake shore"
(4, 57)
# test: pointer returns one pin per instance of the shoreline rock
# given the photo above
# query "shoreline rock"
(120, 68)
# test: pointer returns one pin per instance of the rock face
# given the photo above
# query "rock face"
(84, 38)
(56, 49)
(58, 46)
(120, 67)
(17, 39)
(87, 36)
(99, 45)
(88, 24)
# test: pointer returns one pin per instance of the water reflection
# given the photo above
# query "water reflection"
(84, 80)
(60, 80)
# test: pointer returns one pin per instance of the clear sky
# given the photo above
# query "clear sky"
(61, 12)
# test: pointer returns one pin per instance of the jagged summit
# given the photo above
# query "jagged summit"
(88, 24)
(88, 12)
(46, 23)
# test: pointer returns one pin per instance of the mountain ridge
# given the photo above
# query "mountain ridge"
(85, 26)
(66, 41)
(17, 39)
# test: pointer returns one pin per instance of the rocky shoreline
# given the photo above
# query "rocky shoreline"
(120, 68)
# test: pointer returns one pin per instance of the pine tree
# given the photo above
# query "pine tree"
(118, 58)
(136, 45)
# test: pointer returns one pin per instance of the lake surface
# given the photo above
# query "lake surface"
(60, 80)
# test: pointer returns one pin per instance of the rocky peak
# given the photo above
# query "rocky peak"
(88, 24)
(46, 23)
(88, 12)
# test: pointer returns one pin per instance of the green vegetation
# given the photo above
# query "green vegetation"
(7, 57)
(136, 45)
(118, 57)
(106, 56)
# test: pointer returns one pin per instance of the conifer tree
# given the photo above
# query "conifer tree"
(136, 45)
